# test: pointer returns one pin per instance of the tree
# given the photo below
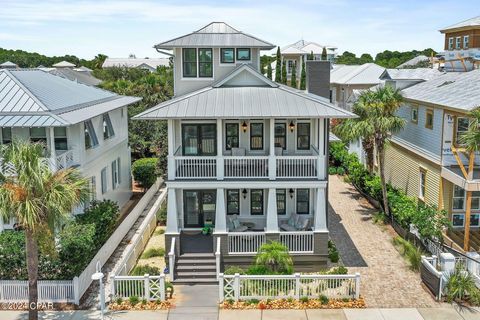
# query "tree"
(274, 256)
(37, 198)
(293, 79)
(269, 71)
(284, 72)
(278, 67)
(347, 58)
(366, 58)
(303, 76)
(99, 60)
(324, 54)
(311, 56)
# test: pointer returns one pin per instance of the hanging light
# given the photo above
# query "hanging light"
(244, 193)
(244, 126)
(291, 126)
(291, 192)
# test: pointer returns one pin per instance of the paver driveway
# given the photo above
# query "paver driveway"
(386, 280)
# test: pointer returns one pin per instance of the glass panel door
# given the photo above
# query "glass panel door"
(190, 139)
(192, 214)
(199, 139)
(208, 139)
(208, 206)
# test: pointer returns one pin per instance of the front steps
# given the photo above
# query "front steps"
(192, 268)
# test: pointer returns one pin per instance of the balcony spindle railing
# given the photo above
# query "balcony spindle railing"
(245, 242)
(246, 167)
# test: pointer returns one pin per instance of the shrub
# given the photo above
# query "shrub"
(274, 257)
(77, 247)
(144, 301)
(144, 172)
(304, 299)
(259, 270)
(12, 252)
(379, 218)
(333, 254)
(340, 171)
(153, 252)
(338, 270)
(230, 301)
(134, 300)
(119, 300)
(162, 214)
(234, 269)
(145, 269)
(252, 301)
(104, 215)
(323, 299)
(459, 285)
(332, 170)
(169, 289)
(408, 250)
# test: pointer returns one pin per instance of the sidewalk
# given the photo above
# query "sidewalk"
(198, 312)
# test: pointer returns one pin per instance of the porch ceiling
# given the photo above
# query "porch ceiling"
(454, 174)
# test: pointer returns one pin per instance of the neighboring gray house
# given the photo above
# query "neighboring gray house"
(247, 157)
(8, 65)
(149, 64)
(404, 78)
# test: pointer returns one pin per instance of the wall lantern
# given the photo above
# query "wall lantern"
(244, 126)
(244, 193)
(291, 126)
(291, 192)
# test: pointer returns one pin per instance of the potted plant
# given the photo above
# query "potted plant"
(206, 230)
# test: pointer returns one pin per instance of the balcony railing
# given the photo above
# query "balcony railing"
(195, 167)
(246, 167)
(250, 242)
(63, 160)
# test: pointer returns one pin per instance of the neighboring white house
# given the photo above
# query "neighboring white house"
(246, 156)
(64, 64)
(150, 64)
(8, 65)
(81, 126)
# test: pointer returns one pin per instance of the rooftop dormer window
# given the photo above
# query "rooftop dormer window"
(197, 62)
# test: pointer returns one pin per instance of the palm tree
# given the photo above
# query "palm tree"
(275, 257)
(99, 60)
(36, 197)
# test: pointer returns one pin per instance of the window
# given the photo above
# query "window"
(114, 174)
(104, 180)
(414, 115)
(475, 220)
(6, 135)
(458, 198)
(93, 188)
(256, 202)
(60, 134)
(461, 127)
(189, 62)
(231, 136)
(290, 64)
(107, 127)
(243, 54)
(303, 201)
(303, 136)
(256, 136)
(450, 43)
(119, 170)
(429, 119)
(227, 55)
(458, 42)
(422, 184)
(475, 200)
(281, 135)
(281, 201)
(457, 220)
(38, 135)
(90, 136)
(205, 64)
(466, 42)
(233, 201)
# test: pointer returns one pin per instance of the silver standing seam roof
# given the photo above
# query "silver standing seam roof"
(34, 98)
(472, 22)
(411, 74)
(216, 34)
(368, 73)
(83, 77)
(224, 99)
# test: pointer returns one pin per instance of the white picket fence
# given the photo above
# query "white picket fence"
(72, 290)
(147, 287)
(243, 287)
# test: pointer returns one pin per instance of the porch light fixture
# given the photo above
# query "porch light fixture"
(244, 126)
(291, 192)
(244, 193)
(291, 126)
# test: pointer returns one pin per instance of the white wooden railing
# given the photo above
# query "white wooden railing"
(246, 167)
(297, 166)
(147, 287)
(218, 256)
(48, 291)
(245, 242)
(61, 161)
(196, 167)
(297, 241)
(171, 260)
(65, 160)
(243, 287)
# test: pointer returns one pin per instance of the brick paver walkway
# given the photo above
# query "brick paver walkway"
(386, 280)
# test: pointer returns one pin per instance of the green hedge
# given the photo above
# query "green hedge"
(145, 172)
(406, 210)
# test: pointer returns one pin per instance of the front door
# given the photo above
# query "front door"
(199, 208)
(199, 139)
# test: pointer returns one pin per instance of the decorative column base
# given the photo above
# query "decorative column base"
(320, 242)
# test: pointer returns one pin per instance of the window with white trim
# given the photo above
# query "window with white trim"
(458, 198)
(108, 131)
(227, 55)
(290, 64)
(461, 127)
(6, 135)
(61, 141)
(450, 43)
(114, 174)
(422, 184)
(197, 62)
(466, 42)
(243, 54)
(90, 135)
(104, 180)
(458, 42)
(38, 134)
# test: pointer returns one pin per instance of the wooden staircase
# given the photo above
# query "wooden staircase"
(193, 268)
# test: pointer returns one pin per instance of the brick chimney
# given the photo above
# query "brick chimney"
(318, 78)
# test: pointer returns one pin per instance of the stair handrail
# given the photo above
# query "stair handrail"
(171, 260)
(218, 255)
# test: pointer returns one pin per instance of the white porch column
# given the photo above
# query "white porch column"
(272, 165)
(51, 146)
(171, 150)
(172, 213)
(321, 158)
(272, 218)
(220, 166)
(320, 210)
(220, 212)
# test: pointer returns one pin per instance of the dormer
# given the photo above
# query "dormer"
(210, 53)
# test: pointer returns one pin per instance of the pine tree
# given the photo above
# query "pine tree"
(284, 72)
(324, 54)
(278, 67)
(303, 76)
(293, 79)
(311, 56)
(269, 71)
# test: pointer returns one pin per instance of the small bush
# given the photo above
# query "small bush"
(459, 285)
(332, 170)
(274, 256)
(340, 171)
(104, 215)
(77, 246)
(304, 299)
(234, 269)
(290, 300)
(145, 269)
(258, 270)
(338, 270)
(134, 300)
(230, 301)
(379, 218)
(323, 299)
(252, 301)
(162, 214)
(410, 251)
(333, 254)
(169, 289)
(153, 252)
(144, 301)
(144, 172)
(119, 300)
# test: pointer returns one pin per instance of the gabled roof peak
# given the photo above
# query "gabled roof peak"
(217, 27)
(257, 78)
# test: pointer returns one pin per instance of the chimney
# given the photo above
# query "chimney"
(318, 78)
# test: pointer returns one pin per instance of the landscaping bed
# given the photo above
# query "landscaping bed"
(136, 305)
(303, 303)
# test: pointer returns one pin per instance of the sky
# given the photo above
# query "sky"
(118, 28)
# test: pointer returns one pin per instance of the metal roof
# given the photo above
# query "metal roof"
(472, 22)
(83, 77)
(134, 62)
(31, 97)
(411, 74)
(368, 73)
(63, 64)
(306, 47)
(216, 34)
(457, 90)
(414, 61)
(229, 101)
(8, 64)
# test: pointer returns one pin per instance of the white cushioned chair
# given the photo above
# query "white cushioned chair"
(295, 223)
(235, 225)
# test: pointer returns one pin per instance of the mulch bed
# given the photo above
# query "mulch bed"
(294, 304)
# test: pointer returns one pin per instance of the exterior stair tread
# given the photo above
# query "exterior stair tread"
(200, 267)
(197, 255)
(196, 280)
(181, 274)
